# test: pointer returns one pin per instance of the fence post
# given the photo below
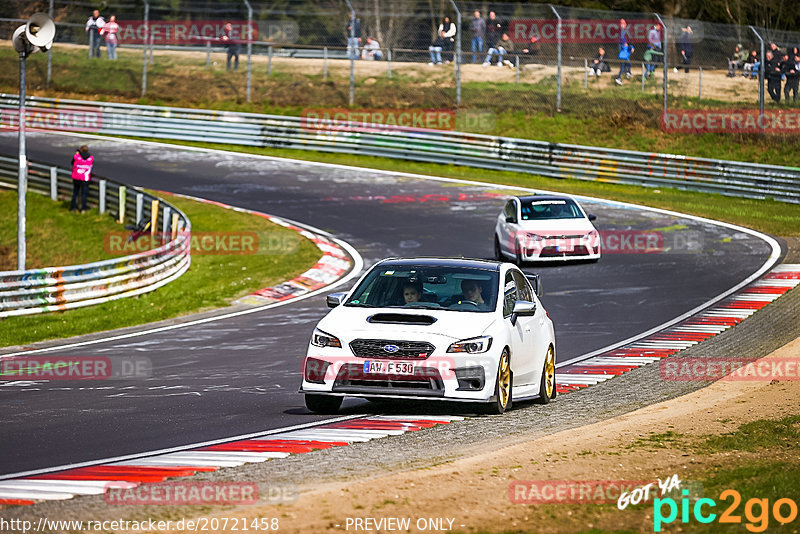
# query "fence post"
(249, 46)
(208, 54)
(50, 52)
(121, 191)
(139, 208)
(269, 61)
(54, 183)
(643, 75)
(144, 47)
(700, 83)
(760, 80)
(389, 63)
(352, 51)
(457, 53)
(101, 194)
(585, 73)
(516, 63)
(325, 63)
(665, 44)
(558, 88)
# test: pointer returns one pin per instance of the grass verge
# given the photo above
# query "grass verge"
(213, 280)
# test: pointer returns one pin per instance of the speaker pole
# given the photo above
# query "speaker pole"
(22, 187)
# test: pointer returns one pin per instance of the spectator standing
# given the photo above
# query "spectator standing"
(82, 163)
(651, 57)
(232, 44)
(654, 37)
(478, 27)
(625, 51)
(737, 61)
(109, 32)
(599, 64)
(772, 70)
(447, 30)
(372, 50)
(686, 48)
(93, 27)
(353, 36)
(792, 72)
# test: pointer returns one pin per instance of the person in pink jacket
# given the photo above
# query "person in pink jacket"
(109, 32)
(82, 163)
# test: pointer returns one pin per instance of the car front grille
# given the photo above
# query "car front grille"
(551, 252)
(376, 348)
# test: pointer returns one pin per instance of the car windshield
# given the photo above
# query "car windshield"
(534, 210)
(428, 287)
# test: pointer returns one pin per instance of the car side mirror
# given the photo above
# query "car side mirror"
(536, 282)
(591, 217)
(522, 308)
(512, 220)
(335, 299)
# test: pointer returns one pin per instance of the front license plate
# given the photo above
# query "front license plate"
(389, 368)
(565, 248)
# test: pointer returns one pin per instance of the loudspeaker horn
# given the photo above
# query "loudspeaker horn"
(20, 42)
(40, 31)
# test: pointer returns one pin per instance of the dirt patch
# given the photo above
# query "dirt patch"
(474, 491)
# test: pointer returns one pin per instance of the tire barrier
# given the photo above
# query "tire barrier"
(61, 288)
(554, 160)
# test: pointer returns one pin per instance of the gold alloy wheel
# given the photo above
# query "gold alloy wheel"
(504, 380)
(550, 372)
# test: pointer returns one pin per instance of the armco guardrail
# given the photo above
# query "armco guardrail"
(475, 150)
(61, 288)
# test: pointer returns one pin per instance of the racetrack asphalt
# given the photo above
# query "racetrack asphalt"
(241, 374)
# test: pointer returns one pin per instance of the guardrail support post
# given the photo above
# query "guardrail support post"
(175, 221)
(153, 217)
(325, 63)
(121, 193)
(269, 61)
(389, 63)
(139, 208)
(101, 194)
(53, 183)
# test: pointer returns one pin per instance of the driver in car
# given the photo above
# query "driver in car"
(472, 291)
(412, 293)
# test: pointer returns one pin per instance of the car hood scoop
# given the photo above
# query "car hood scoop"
(401, 318)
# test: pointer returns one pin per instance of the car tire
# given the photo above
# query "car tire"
(323, 404)
(498, 252)
(502, 386)
(547, 385)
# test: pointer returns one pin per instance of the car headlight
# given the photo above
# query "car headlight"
(474, 345)
(323, 339)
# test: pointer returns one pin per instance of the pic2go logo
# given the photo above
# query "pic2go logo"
(756, 511)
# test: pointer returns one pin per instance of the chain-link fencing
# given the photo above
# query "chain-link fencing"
(409, 55)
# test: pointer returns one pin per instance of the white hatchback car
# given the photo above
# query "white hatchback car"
(545, 228)
(433, 329)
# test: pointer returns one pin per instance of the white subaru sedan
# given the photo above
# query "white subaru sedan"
(433, 329)
(545, 228)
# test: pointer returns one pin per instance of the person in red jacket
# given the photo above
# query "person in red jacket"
(82, 163)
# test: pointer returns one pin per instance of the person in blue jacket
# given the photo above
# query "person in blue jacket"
(624, 56)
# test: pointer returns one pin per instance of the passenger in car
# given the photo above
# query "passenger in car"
(412, 292)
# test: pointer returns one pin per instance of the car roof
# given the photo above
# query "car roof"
(442, 262)
(527, 198)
